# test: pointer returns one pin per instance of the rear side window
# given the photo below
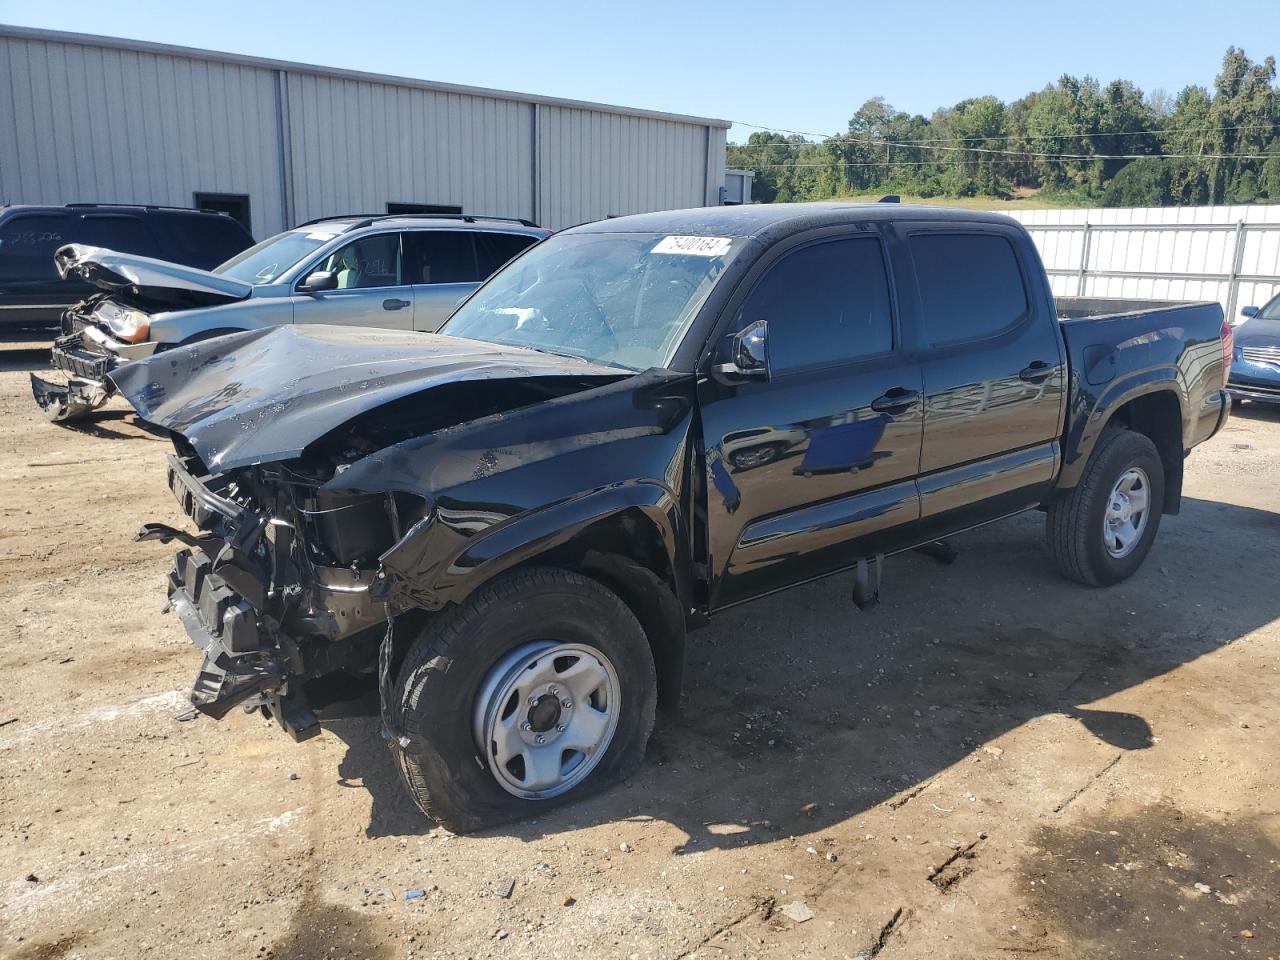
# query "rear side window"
(970, 285)
(495, 249)
(27, 245)
(440, 256)
(825, 303)
(122, 234)
(200, 241)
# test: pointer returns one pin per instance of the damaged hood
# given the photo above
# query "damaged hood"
(265, 395)
(147, 278)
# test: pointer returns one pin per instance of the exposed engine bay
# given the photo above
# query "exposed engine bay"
(281, 588)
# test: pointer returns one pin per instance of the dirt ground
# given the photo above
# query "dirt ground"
(994, 763)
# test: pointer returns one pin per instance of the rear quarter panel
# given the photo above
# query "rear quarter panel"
(1117, 358)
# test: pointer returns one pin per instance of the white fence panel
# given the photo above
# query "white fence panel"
(1230, 254)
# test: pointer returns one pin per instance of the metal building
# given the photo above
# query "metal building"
(102, 119)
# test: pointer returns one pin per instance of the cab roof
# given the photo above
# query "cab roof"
(757, 219)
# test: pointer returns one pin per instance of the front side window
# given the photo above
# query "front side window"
(201, 239)
(265, 262)
(825, 303)
(970, 285)
(623, 299)
(368, 262)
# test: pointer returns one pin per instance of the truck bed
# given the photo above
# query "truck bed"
(1108, 308)
(1118, 349)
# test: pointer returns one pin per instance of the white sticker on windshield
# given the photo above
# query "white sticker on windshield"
(321, 236)
(694, 246)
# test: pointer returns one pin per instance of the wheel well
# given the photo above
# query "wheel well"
(1158, 417)
(625, 553)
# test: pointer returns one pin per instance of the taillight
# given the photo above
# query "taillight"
(1228, 337)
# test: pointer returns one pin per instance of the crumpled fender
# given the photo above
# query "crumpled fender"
(439, 563)
(500, 490)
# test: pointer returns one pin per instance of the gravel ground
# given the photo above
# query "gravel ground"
(992, 763)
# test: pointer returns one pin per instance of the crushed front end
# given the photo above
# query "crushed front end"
(85, 354)
(276, 588)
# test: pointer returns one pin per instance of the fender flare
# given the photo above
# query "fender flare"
(436, 566)
(1085, 427)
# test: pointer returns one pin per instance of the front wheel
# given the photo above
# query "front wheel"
(537, 690)
(1100, 532)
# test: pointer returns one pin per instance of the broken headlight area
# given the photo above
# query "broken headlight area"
(83, 357)
(275, 589)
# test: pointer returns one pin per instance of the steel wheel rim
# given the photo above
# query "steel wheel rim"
(567, 695)
(1128, 509)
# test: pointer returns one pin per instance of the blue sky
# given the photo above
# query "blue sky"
(792, 64)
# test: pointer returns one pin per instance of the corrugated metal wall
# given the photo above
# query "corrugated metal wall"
(95, 119)
(428, 147)
(1226, 253)
(95, 124)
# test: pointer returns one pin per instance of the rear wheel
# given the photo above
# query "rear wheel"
(1101, 530)
(537, 690)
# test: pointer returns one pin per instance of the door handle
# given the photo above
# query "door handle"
(897, 400)
(394, 304)
(1037, 371)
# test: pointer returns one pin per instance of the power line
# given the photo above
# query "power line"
(871, 141)
(1122, 156)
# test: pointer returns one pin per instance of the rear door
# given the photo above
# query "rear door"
(815, 468)
(443, 268)
(28, 276)
(994, 374)
(372, 289)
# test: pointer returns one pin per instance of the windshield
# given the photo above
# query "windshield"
(1270, 310)
(622, 299)
(265, 261)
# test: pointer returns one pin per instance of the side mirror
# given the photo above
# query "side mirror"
(318, 281)
(744, 355)
(1248, 311)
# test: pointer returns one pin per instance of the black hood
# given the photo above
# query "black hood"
(265, 395)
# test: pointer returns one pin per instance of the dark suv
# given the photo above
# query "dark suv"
(32, 293)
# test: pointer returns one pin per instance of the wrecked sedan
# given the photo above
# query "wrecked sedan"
(402, 271)
(507, 529)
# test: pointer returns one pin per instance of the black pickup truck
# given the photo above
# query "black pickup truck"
(507, 529)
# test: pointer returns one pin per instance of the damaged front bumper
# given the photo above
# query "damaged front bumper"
(86, 363)
(278, 630)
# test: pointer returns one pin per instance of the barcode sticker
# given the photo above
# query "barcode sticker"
(694, 246)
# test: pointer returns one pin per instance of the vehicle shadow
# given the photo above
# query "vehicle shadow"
(102, 423)
(1250, 410)
(800, 700)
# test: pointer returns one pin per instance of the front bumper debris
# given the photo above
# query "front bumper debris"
(87, 387)
(237, 668)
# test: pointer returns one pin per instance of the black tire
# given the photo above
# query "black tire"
(446, 772)
(1074, 522)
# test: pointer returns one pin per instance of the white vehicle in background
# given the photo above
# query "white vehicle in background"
(399, 271)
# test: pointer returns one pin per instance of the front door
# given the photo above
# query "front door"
(994, 376)
(815, 468)
(371, 289)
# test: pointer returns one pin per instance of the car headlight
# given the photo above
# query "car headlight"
(130, 325)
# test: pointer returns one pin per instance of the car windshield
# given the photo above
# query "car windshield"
(265, 261)
(622, 299)
(1270, 310)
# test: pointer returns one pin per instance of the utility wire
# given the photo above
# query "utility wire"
(928, 144)
(852, 138)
